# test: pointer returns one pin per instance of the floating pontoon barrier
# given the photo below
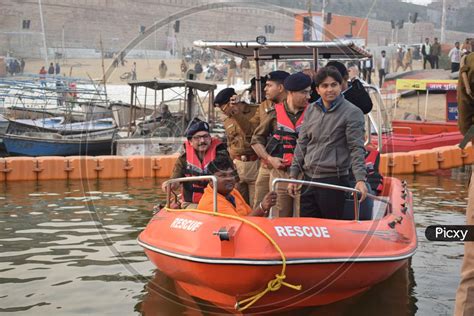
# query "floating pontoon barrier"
(420, 161)
(85, 168)
(118, 167)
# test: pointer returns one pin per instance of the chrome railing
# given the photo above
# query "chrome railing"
(328, 186)
(192, 179)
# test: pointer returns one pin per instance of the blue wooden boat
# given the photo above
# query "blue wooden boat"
(59, 125)
(53, 144)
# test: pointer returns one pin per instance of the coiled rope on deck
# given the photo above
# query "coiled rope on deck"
(272, 285)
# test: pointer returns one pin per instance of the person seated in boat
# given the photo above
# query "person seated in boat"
(164, 112)
(330, 141)
(199, 150)
(374, 185)
(229, 200)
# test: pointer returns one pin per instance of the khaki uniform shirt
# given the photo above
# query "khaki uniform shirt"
(269, 125)
(263, 110)
(239, 129)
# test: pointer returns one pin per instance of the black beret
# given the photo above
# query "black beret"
(223, 97)
(197, 127)
(297, 82)
(277, 75)
(340, 67)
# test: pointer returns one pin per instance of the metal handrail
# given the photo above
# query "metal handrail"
(192, 179)
(328, 186)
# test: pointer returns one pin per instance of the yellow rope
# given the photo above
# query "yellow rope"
(273, 285)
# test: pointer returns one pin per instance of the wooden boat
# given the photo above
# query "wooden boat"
(59, 125)
(227, 260)
(52, 144)
(162, 132)
(19, 112)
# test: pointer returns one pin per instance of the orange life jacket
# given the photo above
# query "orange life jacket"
(283, 141)
(192, 191)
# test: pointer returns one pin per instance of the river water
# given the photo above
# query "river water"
(69, 248)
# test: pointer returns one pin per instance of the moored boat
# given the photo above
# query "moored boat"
(232, 262)
(53, 144)
(418, 135)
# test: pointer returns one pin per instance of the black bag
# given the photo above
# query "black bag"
(357, 95)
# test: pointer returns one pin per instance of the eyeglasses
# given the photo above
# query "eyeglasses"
(198, 137)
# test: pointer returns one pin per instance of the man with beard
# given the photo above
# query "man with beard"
(199, 150)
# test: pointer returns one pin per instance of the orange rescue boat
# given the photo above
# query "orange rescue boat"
(270, 264)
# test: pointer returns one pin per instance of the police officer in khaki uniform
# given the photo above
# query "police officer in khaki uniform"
(275, 93)
(274, 140)
(239, 125)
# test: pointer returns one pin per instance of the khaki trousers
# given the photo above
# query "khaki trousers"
(465, 294)
(247, 171)
(262, 185)
(285, 203)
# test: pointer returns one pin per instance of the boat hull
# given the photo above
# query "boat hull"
(331, 259)
(17, 145)
(321, 283)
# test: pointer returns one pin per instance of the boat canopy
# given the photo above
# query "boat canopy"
(340, 49)
(167, 84)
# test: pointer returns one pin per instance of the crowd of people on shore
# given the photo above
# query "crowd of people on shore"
(223, 68)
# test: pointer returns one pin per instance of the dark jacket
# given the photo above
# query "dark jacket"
(330, 142)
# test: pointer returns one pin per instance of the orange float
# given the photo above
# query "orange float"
(52, 168)
(449, 157)
(2, 169)
(467, 155)
(111, 167)
(266, 264)
(82, 168)
(140, 167)
(21, 168)
(164, 165)
(400, 163)
(425, 160)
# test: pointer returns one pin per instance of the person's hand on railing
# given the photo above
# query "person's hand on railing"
(269, 200)
(362, 187)
(293, 189)
(174, 186)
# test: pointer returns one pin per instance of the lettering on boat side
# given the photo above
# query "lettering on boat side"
(301, 231)
(186, 224)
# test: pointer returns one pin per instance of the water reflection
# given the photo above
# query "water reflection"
(70, 248)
